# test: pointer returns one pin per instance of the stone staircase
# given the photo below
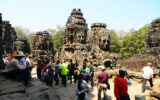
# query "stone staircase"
(15, 90)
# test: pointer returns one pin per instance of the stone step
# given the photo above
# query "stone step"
(36, 88)
(18, 89)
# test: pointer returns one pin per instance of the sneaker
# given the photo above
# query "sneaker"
(28, 84)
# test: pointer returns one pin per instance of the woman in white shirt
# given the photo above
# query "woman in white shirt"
(82, 88)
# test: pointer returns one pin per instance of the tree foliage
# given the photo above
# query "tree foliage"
(57, 37)
(115, 43)
(133, 43)
(21, 32)
(24, 34)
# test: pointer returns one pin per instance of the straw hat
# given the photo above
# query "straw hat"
(20, 54)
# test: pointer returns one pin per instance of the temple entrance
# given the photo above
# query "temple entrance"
(107, 64)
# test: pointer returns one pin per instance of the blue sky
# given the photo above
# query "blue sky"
(37, 15)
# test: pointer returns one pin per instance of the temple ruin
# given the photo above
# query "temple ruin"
(21, 45)
(152, 41)
(1, 48)
(43, 44)
(83, 44)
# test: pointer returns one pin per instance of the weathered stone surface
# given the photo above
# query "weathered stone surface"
(99, 35)
(155, 92)
(36, 88)
(21, 45)
(152, 41)
(7, 37)
(81, 44)
(43, 45)
(1, 48)
(14, 90)
(76, 28)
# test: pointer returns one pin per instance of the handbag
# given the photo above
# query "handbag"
(108, 86)
(122, 96)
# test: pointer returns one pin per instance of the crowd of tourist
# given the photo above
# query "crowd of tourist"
(20, 66)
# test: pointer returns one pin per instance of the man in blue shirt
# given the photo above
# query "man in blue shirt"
(56, 78)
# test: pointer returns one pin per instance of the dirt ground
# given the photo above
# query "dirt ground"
(69, 92)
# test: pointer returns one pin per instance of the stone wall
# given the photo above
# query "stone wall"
(7, 37)
(1, 48)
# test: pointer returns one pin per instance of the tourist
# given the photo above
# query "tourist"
(64, 68)
(75, 71)
(57, 70)
(16, 69)
(82, 88)
(10, 57)
(102, 78)
(147, 75)
(5, 59)
(45, 60)
(121, 86)
(84, 70)
(49, 75)
(23, 61)
(39, 68)
(29, 62)
(71, 70)
(91, 74)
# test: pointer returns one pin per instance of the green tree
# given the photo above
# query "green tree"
(21, 32)
(133, 43)
(30, 38)
(115, 44)
(57, 37)
(24, 34)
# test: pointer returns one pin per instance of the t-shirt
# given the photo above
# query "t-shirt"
(71, 67)
(13, 64)
(147, 71)
(64, 68)
(122, 85)
(102, 77)
(57, 68)
(30, 62)
(92, 70)
(84, 84)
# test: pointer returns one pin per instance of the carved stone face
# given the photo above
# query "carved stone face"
(19, 45)
(103, 40)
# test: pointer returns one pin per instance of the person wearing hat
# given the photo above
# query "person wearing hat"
(147, 75)
(121, 85)
(102, 78)
(16, 69)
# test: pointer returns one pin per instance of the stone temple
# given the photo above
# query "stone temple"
(21, 45)
(1, 48)
(42, 45)
(83, 44)
(152, 40)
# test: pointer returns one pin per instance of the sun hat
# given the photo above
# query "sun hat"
(102, 67)
(20, 54)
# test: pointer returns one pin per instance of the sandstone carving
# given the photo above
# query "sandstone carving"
(21, 45)
(83, 44)
(43, 44)
(152, 41)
